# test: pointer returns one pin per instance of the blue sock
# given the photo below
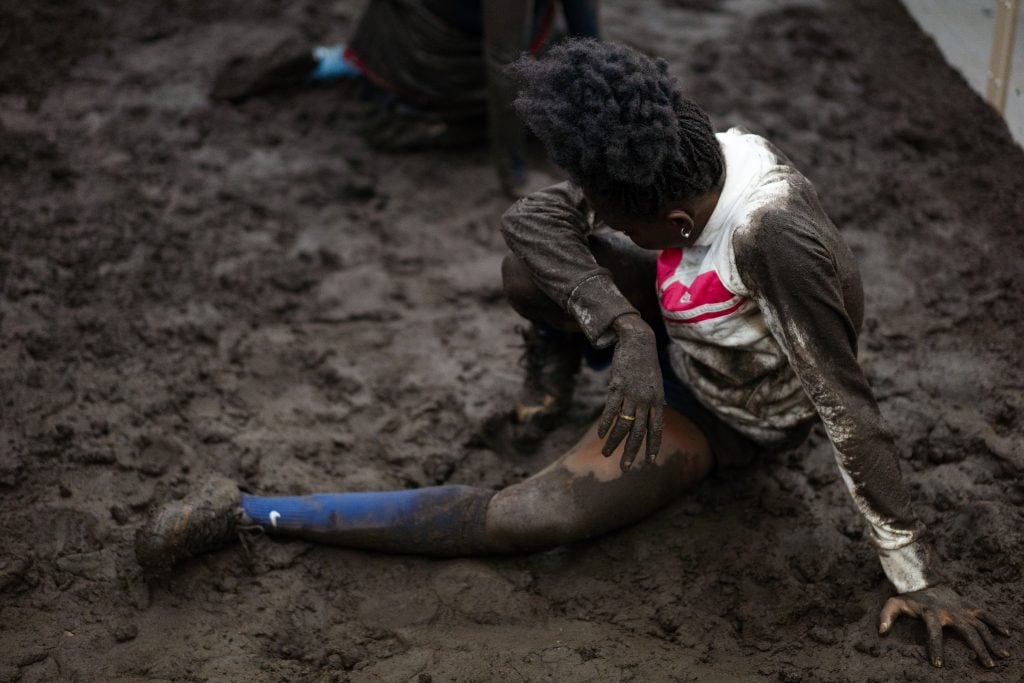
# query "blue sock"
(331, 64)
(438, 520)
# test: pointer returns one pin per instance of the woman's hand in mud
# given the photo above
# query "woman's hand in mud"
(634, 390)
(940, 606)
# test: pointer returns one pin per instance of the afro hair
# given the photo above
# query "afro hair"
(612, 118)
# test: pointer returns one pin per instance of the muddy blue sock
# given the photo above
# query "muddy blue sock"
(332, 64)
(439, 520)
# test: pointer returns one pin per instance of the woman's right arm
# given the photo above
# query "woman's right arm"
(548, 231)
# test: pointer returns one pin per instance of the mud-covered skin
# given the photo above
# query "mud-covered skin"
(633, 408)
(805, 283)
(940, 606)
(583, 494)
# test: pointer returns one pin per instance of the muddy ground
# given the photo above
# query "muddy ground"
(194, 287)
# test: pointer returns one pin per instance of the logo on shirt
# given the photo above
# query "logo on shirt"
(690, 296)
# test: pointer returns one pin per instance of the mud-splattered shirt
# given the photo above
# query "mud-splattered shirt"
(764, 312)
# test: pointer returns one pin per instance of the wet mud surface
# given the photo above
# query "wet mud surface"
(191, 287)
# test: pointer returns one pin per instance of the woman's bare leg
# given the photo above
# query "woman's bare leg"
(581, 495)
(584, 494)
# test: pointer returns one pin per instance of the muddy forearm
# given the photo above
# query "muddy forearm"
(548, 232)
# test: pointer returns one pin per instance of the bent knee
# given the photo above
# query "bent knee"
(527, 298)
(519, 287)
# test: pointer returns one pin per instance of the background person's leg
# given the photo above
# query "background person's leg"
(581, 18)
(581, 495)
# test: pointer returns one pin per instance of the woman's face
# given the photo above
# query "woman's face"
(664, 231)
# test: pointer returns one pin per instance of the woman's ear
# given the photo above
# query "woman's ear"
(682, 221)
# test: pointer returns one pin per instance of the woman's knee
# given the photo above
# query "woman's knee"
(586, 494)
(526, 298)
(515, 278)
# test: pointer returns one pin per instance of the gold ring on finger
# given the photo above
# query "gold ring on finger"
(627, 418)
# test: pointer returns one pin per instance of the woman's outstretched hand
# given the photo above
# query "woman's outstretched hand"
(636, 395)
(940, 606)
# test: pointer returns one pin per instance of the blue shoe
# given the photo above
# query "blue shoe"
(331, 64)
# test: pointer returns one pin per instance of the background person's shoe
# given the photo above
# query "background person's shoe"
(204, 520)
(393, 125)
(287, 63)
(332, 63)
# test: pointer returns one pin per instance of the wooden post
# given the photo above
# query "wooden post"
(1002, 53)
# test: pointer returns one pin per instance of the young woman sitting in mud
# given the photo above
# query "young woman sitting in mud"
(733, 325)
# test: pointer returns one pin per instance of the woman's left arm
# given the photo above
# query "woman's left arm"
(797, 280)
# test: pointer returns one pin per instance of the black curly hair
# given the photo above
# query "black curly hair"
(612, 118)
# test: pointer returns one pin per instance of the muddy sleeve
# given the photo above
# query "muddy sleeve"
(795, 280)
(506, 36)
(548, 231)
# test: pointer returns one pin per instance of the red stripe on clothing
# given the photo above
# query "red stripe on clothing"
(543, 30)
(371, 75)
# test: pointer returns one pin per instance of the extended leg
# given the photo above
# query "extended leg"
(581, 495)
